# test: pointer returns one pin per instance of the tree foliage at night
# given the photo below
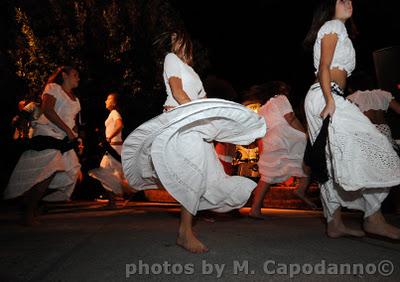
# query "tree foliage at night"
(111, 43)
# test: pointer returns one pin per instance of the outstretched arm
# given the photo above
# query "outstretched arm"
(294, 122)
(395, 106)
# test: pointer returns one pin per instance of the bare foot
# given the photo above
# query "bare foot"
(257, 216)
(189, 242)
(340, 230)
(382, 229)
(305, 199)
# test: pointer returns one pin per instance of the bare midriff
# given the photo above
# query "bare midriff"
(339, 76)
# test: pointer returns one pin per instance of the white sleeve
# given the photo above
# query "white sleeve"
(386, 98)
(115, 115)
(283, 105)
(52, 89)
(333, 26)
(172, 66)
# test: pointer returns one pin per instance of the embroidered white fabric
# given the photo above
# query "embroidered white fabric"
(361, 162)
(361, 156)
(375, 99)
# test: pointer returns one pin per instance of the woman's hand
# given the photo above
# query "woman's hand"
(70, 134)
(329, 109)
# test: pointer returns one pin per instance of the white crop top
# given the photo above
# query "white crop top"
(344, 57)
(191, 83)
(376, 99)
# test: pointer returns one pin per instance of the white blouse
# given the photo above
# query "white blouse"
(66, 109)
(110, 126)
(344, 57)
(192, 85)
(275, 109)
(376, 99)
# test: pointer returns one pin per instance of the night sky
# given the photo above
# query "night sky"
(251, 42)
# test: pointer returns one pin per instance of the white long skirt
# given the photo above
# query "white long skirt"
(34, 167)
(282, 155)
(175, 150)
(110, 174)
(361, 162)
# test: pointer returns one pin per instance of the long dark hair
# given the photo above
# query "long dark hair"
(57, 77)
(324, 11)
(183, 47)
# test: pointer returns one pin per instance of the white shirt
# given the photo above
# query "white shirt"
(66, 109)
(274, 110)
(110, 124)
(191, 83)
(344, 57)
(376, 99)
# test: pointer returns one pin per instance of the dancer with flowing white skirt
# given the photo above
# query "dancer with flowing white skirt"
(110, 172)
(175, 150)
(53, 165)
(374, 104)
(282, 148)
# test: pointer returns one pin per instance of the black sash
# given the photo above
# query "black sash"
(315, 155)
(111, 151)
(41, 142)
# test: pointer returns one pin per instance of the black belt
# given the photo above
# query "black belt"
(41, 142)
(110, 150)
(335, 89)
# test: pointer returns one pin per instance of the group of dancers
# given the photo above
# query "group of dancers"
(175, 149)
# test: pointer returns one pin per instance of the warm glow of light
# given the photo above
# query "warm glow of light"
(254, 106)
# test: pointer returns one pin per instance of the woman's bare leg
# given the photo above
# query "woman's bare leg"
(259, 195)
(336, 227)
(32, 198)
(301, 191)
(186, 237)
(376, 224)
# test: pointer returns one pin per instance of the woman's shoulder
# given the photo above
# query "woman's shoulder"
(171, 57)
(53, 89)
(115, 114)
(333, 26)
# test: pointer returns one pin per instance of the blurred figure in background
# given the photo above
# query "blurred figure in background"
(282, 148)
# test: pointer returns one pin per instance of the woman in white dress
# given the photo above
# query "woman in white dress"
(361, 162)
(51, 162)
(282, 148)
(374, 104)
(175, 149)
(110, 172)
